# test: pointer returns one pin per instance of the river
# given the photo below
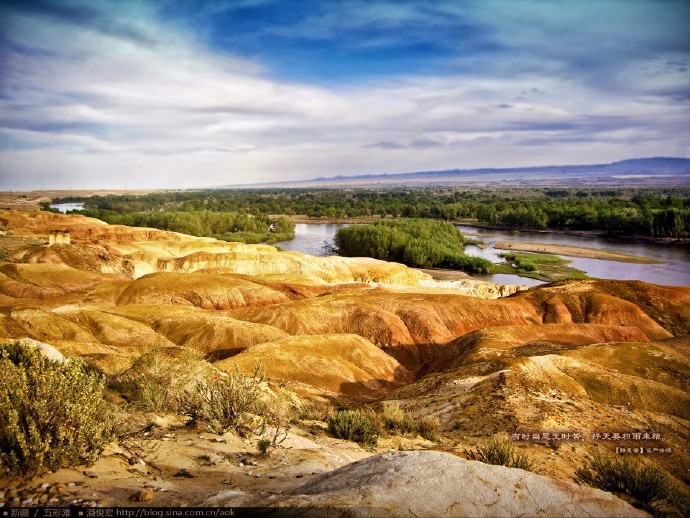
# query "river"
(675, 271)
(310, 239)
(64, 207)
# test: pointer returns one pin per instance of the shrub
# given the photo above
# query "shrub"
(501, 452)
(527, 266)
(223, 403)
(397, 420)
(429, 427)
(315, 410)
(263, 444)
(159, 378)
(277, 410)
(649, 486)
(414, 242)
(353, 425)
(52, 414)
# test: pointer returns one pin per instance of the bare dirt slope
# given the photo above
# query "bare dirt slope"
(342, 363)
(548, 387)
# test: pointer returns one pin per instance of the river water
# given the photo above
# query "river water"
(64, 207)
(310, 239)
(675, 271)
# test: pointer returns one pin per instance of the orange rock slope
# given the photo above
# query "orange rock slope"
(568, 355)
(572, 356)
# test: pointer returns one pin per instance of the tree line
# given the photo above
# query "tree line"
(227, 226)
(658, 213)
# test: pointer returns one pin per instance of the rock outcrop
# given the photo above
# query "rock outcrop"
(476, 288)
(638, 386)
(60, 237)
(437, 484)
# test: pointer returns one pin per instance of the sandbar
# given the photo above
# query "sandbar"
(574, 251)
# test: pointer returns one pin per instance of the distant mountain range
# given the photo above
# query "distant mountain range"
(657, 171)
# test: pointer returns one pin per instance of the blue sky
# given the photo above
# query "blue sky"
(159, 93)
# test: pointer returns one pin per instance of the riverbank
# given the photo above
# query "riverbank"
(310, 238)
(306, 220)
(599, 234)
(31, 200)
(544, 272)
(468, 222)
(443, 274)
(573, 251)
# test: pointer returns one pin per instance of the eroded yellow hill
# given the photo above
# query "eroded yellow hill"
(572, 355)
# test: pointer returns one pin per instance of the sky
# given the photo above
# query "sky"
(196, 93)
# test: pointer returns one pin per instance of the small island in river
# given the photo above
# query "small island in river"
(574, 251)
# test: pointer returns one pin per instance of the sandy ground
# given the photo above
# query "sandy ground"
(178, 466)
(173, 465)
(441, 274)
(573, 251)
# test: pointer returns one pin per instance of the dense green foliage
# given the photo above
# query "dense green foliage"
(52, 414)
(414, 242)
(220, 225)
(660, 213)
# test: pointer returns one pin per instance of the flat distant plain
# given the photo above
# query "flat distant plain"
(644, 172)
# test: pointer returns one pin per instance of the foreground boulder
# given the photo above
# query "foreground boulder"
(432, 483)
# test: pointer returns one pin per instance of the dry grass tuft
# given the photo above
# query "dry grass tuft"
(159, 379)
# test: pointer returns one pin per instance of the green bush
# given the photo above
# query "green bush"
(223, 225)
(500, 452)
(527, 266)
(649, 486)
(397, 420)
(263, 444)
(315, 410)
(529, 262)
(52, 414)
(354, 425)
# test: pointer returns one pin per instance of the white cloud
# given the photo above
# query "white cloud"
(161, 109)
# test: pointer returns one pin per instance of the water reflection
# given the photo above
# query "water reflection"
(310, 239)
(64, 207)
(675, 271)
